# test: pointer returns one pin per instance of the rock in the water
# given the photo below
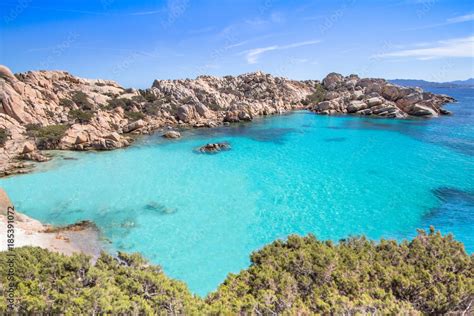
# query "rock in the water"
(35, 156)
(172, 134)
(420, 110)
(213, 148)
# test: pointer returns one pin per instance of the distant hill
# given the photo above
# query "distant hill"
(468, 82)
(428, 84)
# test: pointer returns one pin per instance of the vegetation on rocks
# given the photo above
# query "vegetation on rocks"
(81, 116)
(66, 102)
(3, 137)
(124, 103)
(148, 95)
(431, 274)
(134, 116)
(317, 96)
(46, 136)
(81, 100)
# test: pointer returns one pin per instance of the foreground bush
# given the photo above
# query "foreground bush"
(431, 274)
(54, 284)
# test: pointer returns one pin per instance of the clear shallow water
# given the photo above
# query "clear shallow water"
(200, 216)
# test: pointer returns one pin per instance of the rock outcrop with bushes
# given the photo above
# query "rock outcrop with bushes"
(56, 110)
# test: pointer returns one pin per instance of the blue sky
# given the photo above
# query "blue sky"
(135, 42)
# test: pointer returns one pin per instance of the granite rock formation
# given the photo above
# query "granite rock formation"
(377, 97)
(41, 110)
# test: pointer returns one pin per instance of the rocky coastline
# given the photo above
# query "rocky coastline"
(44, 110)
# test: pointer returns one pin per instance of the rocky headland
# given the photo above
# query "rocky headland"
(43, 110)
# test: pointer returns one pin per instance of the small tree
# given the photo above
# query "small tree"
(82, 101)
(3, 136)
(81, 116)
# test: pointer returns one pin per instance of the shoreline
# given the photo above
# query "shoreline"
(32, 166)
(83, 237)
(45, 110)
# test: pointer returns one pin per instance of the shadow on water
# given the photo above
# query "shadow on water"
(335, 139)
(276, 135)
(439, 131)
(457, 208)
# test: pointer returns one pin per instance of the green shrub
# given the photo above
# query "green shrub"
(3, 136)
(66, 102)
(148, 95)
(53, 284)
(138, 99)
(134, 116)
(81, 100)
(50, 133)
(431, 274)
(214, 107)
(124, 103)
(317, 96)
(81, 116)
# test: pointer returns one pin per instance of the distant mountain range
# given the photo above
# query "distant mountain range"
(469, 83)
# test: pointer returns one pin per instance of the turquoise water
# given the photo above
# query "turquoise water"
(200, 216)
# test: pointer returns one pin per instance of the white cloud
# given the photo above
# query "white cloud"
(457, 47)
(450, 21)
(460, 19)
(252, 55)
(147, 12)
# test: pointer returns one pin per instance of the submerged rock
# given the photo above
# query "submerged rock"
(213, 148)
(160, 208)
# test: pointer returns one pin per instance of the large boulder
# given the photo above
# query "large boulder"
(28, 147)
(134, 126)
(407, 101)
(6, 73)
(355, 106)
(374, 101)
(391, 92)
(172, 134)
(421, 110)
(186, 113)
(332, 80)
